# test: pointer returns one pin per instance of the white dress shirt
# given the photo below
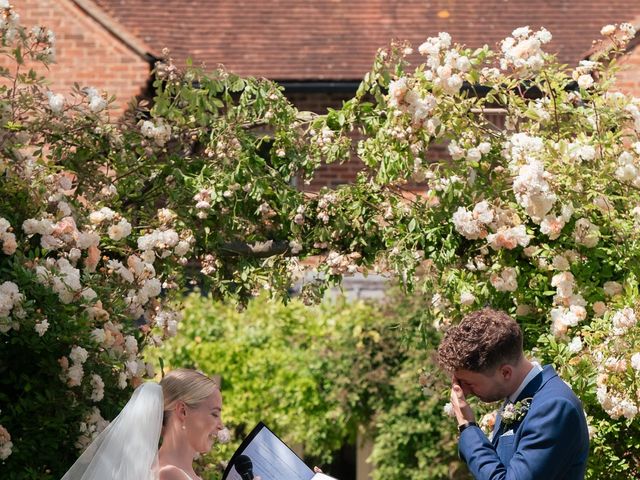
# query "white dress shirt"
(535, 370)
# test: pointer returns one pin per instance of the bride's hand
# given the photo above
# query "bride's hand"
(317, 470)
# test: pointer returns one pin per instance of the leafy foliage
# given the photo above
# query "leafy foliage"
(103, 224)
(317, 375)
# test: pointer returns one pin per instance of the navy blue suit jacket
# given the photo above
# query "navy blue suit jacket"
(550, 443)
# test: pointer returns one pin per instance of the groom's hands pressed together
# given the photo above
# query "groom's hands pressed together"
(461, 408)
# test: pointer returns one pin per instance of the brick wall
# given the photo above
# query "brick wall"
(86, 52)
(338, 174)
(629, 77)
(318, 102)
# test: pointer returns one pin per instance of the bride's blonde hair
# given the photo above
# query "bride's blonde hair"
(185, 385)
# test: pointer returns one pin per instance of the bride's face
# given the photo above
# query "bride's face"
(204, 422)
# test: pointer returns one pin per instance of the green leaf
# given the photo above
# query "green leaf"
(17, 53)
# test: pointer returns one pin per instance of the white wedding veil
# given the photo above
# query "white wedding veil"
(127, 449)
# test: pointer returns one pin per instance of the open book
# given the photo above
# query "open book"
(271, 459)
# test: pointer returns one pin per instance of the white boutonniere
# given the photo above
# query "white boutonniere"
(515, 412)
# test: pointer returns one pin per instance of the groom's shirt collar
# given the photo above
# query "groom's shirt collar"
(535, 370)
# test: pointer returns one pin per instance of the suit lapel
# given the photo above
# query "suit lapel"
(495, 434)
(537, 382)
(529, 391)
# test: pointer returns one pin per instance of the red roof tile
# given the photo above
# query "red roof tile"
(337, 39)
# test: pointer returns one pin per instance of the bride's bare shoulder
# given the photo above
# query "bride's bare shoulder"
(171, 472)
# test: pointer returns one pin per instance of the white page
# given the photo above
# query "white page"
(273, 460)
(322, 476)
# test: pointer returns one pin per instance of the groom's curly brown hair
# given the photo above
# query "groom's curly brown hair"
(481, 342)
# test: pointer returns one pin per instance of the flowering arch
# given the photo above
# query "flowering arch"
(103, 223)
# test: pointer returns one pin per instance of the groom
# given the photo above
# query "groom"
(540, 433)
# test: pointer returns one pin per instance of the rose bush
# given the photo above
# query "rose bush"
(103, 221)
(534, 209)
(538, 217)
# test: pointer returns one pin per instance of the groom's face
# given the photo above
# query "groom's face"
(487, 386)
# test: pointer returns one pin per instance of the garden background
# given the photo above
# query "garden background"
(492, 176)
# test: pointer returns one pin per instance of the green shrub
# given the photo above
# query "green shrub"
(317, 375)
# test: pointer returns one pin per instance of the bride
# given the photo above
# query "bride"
(184, 410)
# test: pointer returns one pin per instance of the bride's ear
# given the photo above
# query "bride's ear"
(180, 410)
